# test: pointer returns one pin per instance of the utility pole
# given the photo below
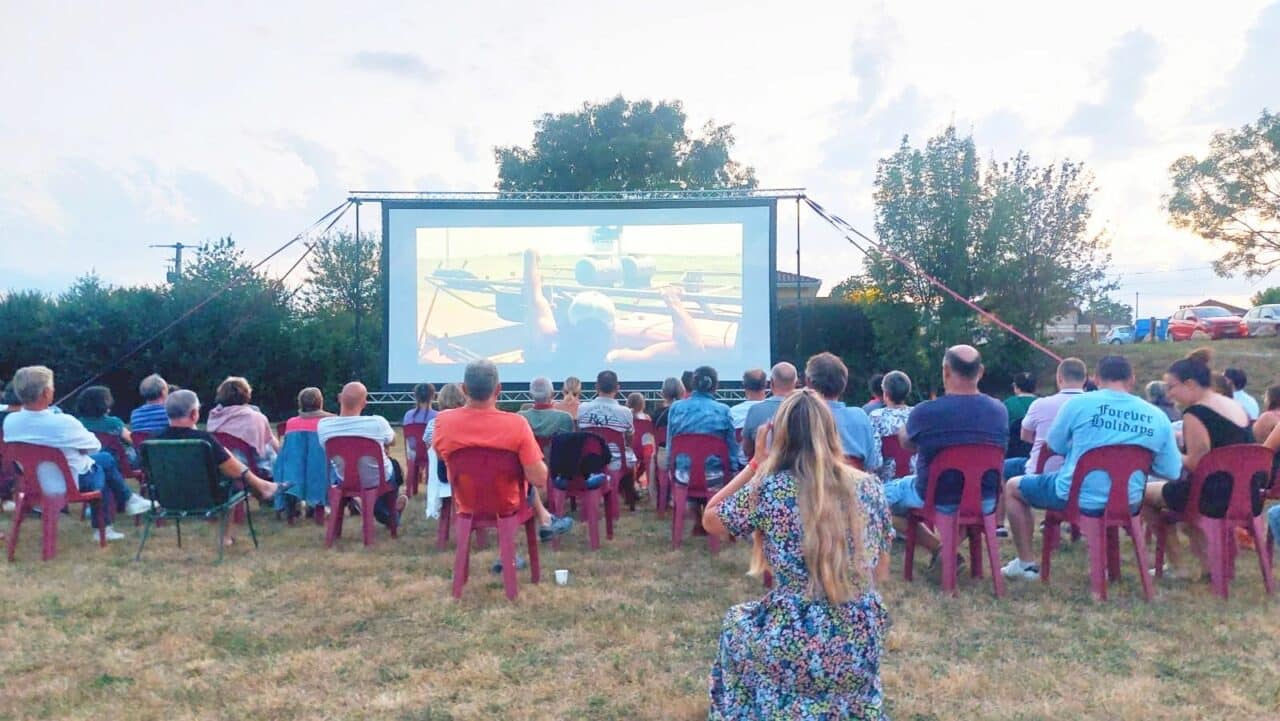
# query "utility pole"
(175, 273)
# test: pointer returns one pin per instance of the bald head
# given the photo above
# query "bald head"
(353, 398)
(961, 369)
(783, 378)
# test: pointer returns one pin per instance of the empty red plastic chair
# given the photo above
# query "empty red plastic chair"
(891, 450)
(351, 449)
(1102, 533)
(1247, 465)
(698, 447)
(616, 470)
(490, 491)
(972, 462)
(415, 462)
(590, 500)
(29, 458)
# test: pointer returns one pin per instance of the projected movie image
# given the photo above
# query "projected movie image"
(578, 296)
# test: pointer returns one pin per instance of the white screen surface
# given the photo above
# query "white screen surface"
(646, 291)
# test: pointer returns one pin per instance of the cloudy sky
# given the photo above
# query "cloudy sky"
(129, 124)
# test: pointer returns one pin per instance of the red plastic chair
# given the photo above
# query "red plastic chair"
(1243, 463)
(112, 444)
(644, 450)
(615, 439)
(1043, 460)
(414, 471)
(891, 450)
(280, 428)
(1102, 533)
(482, 480)
(856, 462)
(247, 453)
(698, 447)
(351, 449)
(972, 462)
(28, 458)
(590, 500)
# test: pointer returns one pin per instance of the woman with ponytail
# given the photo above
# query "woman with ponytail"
(1209, 420)
(810, 649)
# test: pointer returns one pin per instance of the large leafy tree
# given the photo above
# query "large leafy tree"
(1266, 296)
(1231, 196)
(345, 281)
(622, 145)
(1012, 237)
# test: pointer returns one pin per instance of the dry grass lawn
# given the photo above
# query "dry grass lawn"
(292, 631)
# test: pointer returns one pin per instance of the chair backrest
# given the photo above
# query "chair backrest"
(247, 454)
(891, 450)
(486, 482)
(614, 438)
(280, 428)
(972, 462)
(140, 437)
(413, 433)
(182, 475)
(34, 463)
(699, 447)
(1119, 463)
(856, 462)
(1043, 460)
(643, 429)
(113, 445)
(351, 449)
(591, 445)
(1248, 464)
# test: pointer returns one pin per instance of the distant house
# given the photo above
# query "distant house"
(1063, 328)
(1214, 303)
(787, 284)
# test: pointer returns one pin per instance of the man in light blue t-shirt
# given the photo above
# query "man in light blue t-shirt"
(1110, 416)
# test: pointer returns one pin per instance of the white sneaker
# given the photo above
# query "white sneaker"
(1018, 570)
(8, 506)
(112, 534)
(136, 504)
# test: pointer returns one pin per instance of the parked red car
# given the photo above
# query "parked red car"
(1214, 322)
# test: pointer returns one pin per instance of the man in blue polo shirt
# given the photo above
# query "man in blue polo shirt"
(150, 416)
(828, 375)
(1110, 416)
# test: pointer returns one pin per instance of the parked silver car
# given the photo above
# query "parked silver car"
(1262, 320)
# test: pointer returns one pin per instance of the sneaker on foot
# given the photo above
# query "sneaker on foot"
(557, 527)
(1020, 570)
(136, 504)
(8, 507)
(112, 534)
(1002, 532)
(521, 564)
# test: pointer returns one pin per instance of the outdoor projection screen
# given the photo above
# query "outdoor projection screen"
(646, 289)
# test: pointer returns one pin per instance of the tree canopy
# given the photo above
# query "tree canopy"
(1012, 237)
(1231, 196)
(1266, 296)
(622, 145)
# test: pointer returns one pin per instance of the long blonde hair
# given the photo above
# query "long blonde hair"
(806, 444)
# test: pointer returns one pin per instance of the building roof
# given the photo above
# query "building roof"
(1213, 302)
(791, 279)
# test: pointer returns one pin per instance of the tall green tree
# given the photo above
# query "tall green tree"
(345, 279)
(1012, 237)
(622, 145)
(1231, 196)
(1266, 296)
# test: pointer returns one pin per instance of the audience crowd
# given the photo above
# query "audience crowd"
(808, 478)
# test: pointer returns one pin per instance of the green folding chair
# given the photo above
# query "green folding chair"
(185, 483)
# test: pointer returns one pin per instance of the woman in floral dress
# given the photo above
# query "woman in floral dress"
(810, 649)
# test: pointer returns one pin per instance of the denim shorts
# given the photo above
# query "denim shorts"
(902, 496)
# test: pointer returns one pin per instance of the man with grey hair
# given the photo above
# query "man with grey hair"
(95, 469)
(755, 385)
(782, 381)
(182, 410)
(150, 416)
(481, 423)
(544, 419)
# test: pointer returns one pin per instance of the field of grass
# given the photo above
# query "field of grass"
(1258, 357)
(292, 631)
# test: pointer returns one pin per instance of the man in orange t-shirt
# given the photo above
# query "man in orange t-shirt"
(481, 423)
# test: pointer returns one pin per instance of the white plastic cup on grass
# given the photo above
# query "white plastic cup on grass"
(562, 576)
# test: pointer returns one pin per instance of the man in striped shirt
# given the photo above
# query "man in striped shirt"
(150, 417)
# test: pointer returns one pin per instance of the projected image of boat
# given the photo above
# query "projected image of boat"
(691, 303)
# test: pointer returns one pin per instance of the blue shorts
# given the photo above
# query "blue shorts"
(1273, 521)
(902, 496)
(1040, 490)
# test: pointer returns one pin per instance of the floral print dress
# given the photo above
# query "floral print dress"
(886, 422)
(787, 656)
